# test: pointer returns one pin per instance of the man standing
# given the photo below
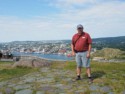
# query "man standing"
(81, 47)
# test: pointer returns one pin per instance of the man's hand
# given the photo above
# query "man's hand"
(73, 53)
(88, 55)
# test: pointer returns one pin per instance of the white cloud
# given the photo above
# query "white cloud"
(100, 20)
(72, 3)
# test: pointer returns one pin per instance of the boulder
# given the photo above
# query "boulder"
(32, 63)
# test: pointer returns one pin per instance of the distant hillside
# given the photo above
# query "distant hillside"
(99, 43)
(110, 42)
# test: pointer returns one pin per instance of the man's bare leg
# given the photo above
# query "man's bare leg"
(78, 70)
(88, 71)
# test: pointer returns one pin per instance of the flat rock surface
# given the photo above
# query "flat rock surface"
(53, 81)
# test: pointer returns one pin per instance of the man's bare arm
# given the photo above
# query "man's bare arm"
(89, 50)
(72, 48)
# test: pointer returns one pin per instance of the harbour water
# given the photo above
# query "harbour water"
(47, 56)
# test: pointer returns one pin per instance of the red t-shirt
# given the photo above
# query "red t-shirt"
(82, 43)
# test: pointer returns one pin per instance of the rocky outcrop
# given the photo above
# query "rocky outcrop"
(32, 62)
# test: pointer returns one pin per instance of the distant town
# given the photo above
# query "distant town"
(62, 47)
(46, 47)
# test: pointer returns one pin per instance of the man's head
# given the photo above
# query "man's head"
(80, 28)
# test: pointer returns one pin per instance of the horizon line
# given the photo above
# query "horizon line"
(57, 39)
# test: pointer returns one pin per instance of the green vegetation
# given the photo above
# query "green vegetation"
(110, 42)
(7, 72)
(106, 75)
(109, 53)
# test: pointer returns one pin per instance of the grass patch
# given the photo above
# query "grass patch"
(104, 74)
(7, 72)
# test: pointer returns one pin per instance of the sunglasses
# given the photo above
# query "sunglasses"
(79, 28)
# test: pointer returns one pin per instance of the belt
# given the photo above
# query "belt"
(80, 51)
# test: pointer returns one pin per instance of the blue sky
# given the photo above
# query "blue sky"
(57, 19)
